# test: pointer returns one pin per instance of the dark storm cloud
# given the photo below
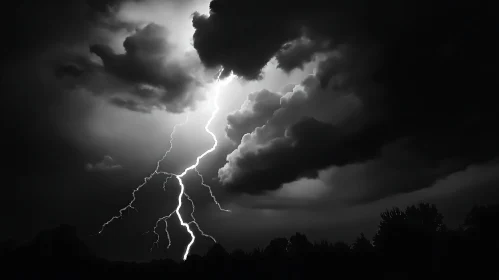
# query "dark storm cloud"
(307, 146)
(259, 107)
(129, 104)
(58, 34)
(144, 62)
(294, 54)
(38, 33)
(427, 73)
(244, 36)
(44, 53)
(104, 6)
(47, 182)
(398, 169)
(301, 135)
(240, 36)
(37, 25)
(68, 70)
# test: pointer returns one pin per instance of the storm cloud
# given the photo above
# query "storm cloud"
(256, 110)
(145, 61)
(71, 38)
(393, 70)
(243, 37)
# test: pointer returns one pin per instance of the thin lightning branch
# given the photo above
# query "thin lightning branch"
(167, 234)
(218, 84)
(165, 219)
(171, 143)
(146, 179)
(211, 193)
(166, 181)
(192, 204)
(202, 233)
(194, 219)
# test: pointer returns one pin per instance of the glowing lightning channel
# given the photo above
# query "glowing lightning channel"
(218, 84)
(146, 179)
(179, 177)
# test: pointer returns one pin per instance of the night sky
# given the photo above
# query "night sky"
(339, 110)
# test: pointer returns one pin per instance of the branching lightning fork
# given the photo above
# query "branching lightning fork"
(211, 193)
(146, 179)
(156, 243)
(182, 193)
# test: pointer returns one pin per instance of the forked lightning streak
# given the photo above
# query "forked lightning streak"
(146, 179)
(182, 193)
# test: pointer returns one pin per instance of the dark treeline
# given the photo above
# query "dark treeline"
(413, 243)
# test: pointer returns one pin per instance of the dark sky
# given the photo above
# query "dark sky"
(340, 109)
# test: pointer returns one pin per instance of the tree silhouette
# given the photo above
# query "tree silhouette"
(390, 230)
(239, 254)
(277, 247)
(257, 253)
(298, 244)
(482, 222)
(217, 251)
(341, 249)
(424, 217)
(362, 246)
(482, 230)
(323, 247)
(406, 238)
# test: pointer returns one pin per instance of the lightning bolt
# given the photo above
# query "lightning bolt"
(182, 193)
(146, 179)
(194, 219)
(211, 193)
(218, 84)
(165, 219)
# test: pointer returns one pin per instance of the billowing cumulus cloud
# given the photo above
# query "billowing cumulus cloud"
(221, 39)
(244, 36)
(256, 110)
(392, 71)
(92, 45)
(46, 64)
(145, 61)
(311, 128)
(305, 147)
(297, 52)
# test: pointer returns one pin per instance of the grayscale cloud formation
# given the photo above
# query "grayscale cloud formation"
(395, 72)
